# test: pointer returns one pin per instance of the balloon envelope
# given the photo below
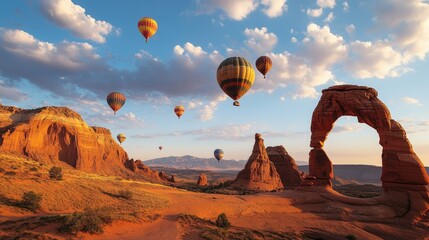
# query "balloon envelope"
(121, 137)
(263, 64)
(116, 100)
(218, 154)
(235, 75)
(179, 110)
(147, 27)
(160, 147)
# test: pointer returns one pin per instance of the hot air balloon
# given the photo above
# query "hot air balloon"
(218, 154)
(263, 64)
(121, 137)
(147, 27)
(235, 76)
(160, 147)
(116, 100)
(179, 110)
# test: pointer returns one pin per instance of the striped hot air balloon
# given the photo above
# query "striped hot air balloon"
(235, 76)
(121, 137)
(179, 110)
(147, 27)
(116, 100)
(218, 154)
(263, 64)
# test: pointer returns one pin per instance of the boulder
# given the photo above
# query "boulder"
(285, 166)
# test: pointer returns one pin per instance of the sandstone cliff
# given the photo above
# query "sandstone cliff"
(202, 180)
(259, 172)
(58, 136)
(285, 166)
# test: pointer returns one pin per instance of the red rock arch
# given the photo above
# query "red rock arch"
(402, 168)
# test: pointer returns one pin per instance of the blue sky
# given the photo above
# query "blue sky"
(73, 53)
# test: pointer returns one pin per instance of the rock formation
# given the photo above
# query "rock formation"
(202, 180)
(259, 173)
(402, 170)
(285, 166)
(58, 136)
(139, 167)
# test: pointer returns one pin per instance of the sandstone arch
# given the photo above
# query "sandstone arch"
(402, 168)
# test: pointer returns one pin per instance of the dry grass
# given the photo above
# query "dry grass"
(76, 191)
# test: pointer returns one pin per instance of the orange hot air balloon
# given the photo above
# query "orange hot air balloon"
(147, 27)
(116, 100)
(235, 75)
(263, 64)
(179, 110)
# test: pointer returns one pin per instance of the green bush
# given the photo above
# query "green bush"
(56, 173)
(351, 237)
(1, 170)
(91, 221)
(10, 173)
(31, 200)
(34, 169)
(222, 221)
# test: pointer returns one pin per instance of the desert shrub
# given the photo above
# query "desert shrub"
(90, 220)
(34, 169)
(222, 221)
(351, 237)
(10, 173)
(31, 200)
(126, 194)
(56, 173)
(14, 167)
(2, 170)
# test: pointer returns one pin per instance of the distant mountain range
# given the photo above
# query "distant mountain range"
(195, 163)
(343, 173)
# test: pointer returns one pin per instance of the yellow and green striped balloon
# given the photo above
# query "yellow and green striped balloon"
(235, 75)
(147, 27)
(116, 100)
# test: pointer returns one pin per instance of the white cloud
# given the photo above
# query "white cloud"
(329, 18)
(326, 3)
(410, 100)
(260, 40)
(11, 93)
(236, 10)
(315, 12)
(274, 8)
(71, 16)
(346, 6)
(294, 40)
(376, 59)
(350, 29)
(407, 23)
(305, 92)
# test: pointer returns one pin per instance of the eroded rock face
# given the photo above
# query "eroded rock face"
(285, 166)
(402, 169)
(57, 135)
(137, 166)
(202, 180)
(259, 173)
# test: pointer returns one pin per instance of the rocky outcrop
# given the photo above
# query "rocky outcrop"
(137, 166)
(58, 136)
(285, 166)
(259, 173)
(202, 180)
(402, 170)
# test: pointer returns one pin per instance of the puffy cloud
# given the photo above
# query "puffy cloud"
(407, 23)
(236, 10)
(260, 40)
(410, 100)
(11, 93)
(346, 6)
(376, 59)
(274, 8)
(350, 29)
(315, 12)
(71, 16)
(329, 18)
(294, 40)
(347, 128)
(207, 111)
(326, 3)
